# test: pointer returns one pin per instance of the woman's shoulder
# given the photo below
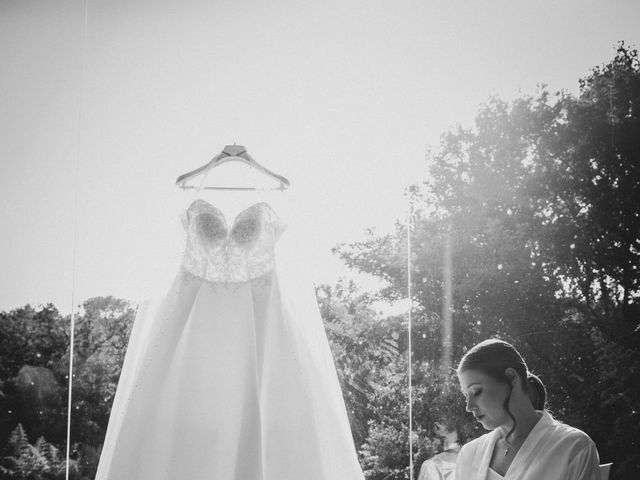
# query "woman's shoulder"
(568, 436)
(565, 430)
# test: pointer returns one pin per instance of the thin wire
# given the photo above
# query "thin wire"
(409, 343)
(75, 233)
(447, 326)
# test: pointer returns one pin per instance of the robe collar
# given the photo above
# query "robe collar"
(538, 434)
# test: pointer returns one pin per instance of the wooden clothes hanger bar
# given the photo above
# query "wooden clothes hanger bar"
(230, 153)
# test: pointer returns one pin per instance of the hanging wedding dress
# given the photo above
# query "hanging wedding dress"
(229, 376)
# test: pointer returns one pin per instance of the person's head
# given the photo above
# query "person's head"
(495, 379)
(446, 430)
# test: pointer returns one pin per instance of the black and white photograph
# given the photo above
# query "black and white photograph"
(340, 240)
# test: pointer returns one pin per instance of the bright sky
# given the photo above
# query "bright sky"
(343, 97)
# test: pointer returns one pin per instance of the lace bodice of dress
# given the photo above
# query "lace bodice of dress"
(218, 253)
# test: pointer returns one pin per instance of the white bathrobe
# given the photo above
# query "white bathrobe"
(551, 451)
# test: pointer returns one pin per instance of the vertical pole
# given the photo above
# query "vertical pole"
(447, 326)
(72, 327)
(409, 343)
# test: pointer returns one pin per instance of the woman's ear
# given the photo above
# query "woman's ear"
(512, 375)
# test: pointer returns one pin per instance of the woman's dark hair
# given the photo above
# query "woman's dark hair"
(537, 392)
(492, 357)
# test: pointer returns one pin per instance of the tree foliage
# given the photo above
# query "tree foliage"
(40, 461)
(538, 202)
(34, 369)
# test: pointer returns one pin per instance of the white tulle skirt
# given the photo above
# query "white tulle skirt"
(229, 382)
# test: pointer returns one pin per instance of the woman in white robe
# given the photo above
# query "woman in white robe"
(525, 442)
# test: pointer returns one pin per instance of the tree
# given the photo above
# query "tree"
(102, 334)
(589, 184)
(34, 368)
(371, 352)
(538, 203)
(32, 344)
(589, 170)
(41, 461)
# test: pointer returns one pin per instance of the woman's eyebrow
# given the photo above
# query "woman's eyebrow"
(471, 385)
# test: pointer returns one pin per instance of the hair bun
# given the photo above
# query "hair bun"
(537, 391)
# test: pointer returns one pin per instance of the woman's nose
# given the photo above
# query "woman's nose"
(469, 406)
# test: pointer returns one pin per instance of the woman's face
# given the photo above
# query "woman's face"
(485, 398)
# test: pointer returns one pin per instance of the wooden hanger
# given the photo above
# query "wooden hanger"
(230, 153)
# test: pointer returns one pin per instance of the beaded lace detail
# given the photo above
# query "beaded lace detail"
(217, 253)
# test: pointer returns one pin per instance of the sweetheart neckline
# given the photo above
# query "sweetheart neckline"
(238, 215)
